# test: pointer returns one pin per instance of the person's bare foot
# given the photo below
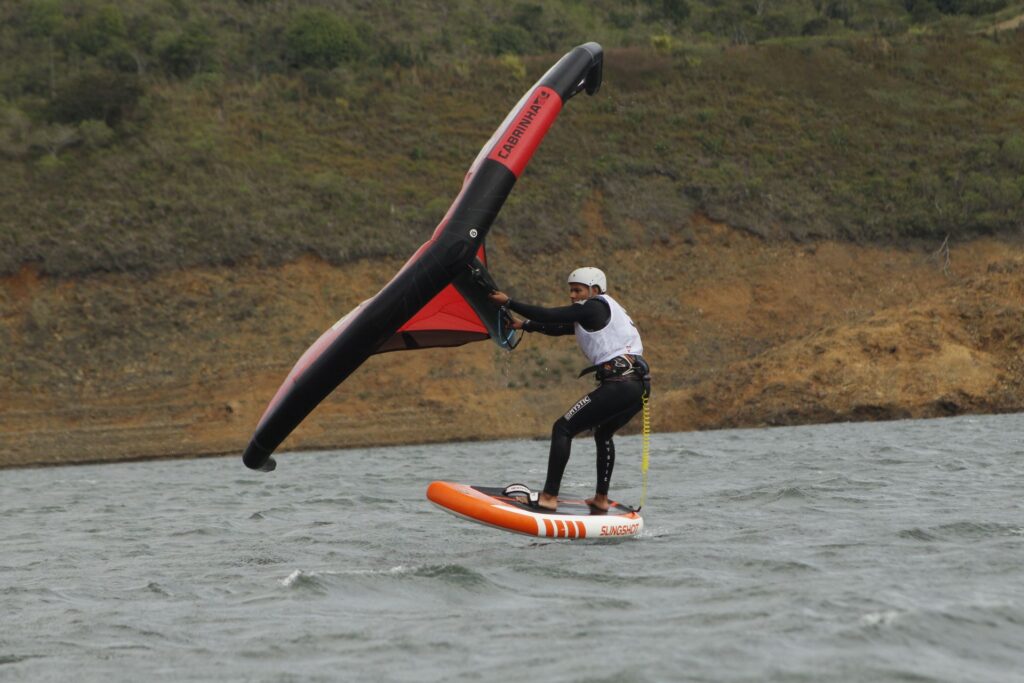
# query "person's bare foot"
(547, 502)
(598, 502)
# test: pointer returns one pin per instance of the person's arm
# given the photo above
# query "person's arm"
(592, 315)
(550, 329)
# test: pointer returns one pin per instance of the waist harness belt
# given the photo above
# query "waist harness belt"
(620, 369)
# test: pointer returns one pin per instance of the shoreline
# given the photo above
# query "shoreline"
(543, 440)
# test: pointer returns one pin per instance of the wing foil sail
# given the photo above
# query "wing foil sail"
(439, 297)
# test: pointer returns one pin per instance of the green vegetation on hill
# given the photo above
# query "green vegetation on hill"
(154, 134)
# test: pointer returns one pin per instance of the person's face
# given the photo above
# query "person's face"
(579, 292)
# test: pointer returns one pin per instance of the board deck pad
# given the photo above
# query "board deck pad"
(574, 519)
(566, 506)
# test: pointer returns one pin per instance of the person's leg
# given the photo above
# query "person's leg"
(600, 405)
(603, 434)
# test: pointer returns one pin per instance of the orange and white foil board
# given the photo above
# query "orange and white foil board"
(464, 501)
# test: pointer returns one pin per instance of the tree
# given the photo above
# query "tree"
(99, 29)
(676, 11)
(187, 52)
(43, 19)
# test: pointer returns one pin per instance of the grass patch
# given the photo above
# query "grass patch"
(250, 147)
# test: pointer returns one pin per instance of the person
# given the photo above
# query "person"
(611, 342)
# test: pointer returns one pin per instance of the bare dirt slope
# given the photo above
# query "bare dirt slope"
(739, 332)
(1008, 25)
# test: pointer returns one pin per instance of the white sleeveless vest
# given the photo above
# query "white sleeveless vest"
(617, 338)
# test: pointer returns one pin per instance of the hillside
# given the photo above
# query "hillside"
(882, 125)
(815, 211)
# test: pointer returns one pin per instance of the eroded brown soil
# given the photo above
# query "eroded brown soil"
(739, 332)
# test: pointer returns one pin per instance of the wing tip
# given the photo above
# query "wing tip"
(258, 458)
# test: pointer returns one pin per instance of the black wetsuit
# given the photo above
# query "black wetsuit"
(605, 409)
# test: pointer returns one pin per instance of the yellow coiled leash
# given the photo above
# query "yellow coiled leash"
(645, 448)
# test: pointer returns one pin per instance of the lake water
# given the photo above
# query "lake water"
(852, 552)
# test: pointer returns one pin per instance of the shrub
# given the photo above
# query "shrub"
(42, 18)
(972, 7)
(321, 39)
(15, 127)
(101, 95)
(399, 53)
(187, 52)
(99, 29)
(95, 134)
(1013, 151)
(54, 139)
(662, 43)
(622, 19)
(815, 27)
(514, 65)
(510, 39)
(841, 10)
(921, 11)
(676, 11)
(778, 25)
(321, 83)
(119, 56)
(529, 16)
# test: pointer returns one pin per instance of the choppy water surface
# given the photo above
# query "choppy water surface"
(858, 552)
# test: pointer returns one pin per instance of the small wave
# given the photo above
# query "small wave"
(451, 573)
(978, 530)
(890, 461)
(961, 531)
(917, 535)
(771, 495)
(270, 512)
(953, 624)
(879, 619)
(14, 659)
(608, 578)
(688, 453)
(844, 484)
(784, 566)
(375, 500)
(155, 587)
(42, 593)
(198, 531)
(300, 580)
(258, 560)
(339, 502)
(455, 574)
(652, 532)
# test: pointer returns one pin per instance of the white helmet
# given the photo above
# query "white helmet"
(589, 277)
